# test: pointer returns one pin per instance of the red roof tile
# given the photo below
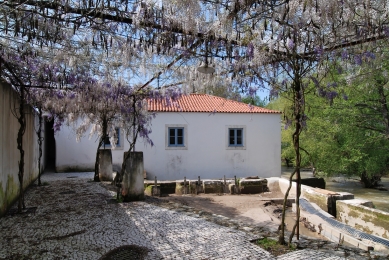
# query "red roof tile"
(206, 103)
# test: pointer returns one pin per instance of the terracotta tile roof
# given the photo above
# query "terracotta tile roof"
(206, 103)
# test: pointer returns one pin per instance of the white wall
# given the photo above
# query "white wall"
(81, 156)
(9, 154)
(206, 156)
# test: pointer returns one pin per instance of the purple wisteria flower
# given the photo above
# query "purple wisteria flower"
(370, 55)
(290, 44)
(250, 51)
(386, 30)
(344, 55)
(358, 59)
(273, 93)
(319, 52)
(252, 91)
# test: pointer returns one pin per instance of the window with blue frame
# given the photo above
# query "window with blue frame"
(176, 136)
(235, 137)
(107, 143)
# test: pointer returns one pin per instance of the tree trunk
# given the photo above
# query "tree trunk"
(101, 142)
(281, 238)
(288, 162)
(298, 111)
(135, 130)
(22, 129)
(298, 105)
(384, 108)
(370, 181)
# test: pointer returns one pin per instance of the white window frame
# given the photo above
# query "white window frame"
(244, 137)
(185, 136)
(119, 146)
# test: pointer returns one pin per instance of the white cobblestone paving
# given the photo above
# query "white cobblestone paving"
(74, 220)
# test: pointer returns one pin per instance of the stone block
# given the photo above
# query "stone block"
(133, 183)
(325, 199)
(182, 188)
(152, 190)
(167, 187)
(252, 186)
(195, 187)
(105, 165)
(213, 186)
(232, 188)
(156, 191)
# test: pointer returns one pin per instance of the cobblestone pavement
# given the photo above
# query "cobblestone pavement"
(72, 217)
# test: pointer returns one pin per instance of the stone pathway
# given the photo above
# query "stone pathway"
(74, 218)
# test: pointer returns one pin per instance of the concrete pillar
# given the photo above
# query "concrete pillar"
(105, 165)
(133, 188)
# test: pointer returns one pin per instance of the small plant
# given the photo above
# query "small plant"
(118, 200)
(273, 247)
(45, 183)
(266, 242)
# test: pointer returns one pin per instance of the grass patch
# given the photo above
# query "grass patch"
(273, 247)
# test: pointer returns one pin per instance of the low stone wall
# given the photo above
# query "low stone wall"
(252, 186)
(281, 185)
(333, 233)
(246, 186)
(325, 199)
(182, 187)
(152, 190)
(213, 186)
(314, 182)
(361, 215)
(195, 187)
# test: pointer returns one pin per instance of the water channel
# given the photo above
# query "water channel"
(352, 185)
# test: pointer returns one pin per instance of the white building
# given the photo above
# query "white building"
(202, 135)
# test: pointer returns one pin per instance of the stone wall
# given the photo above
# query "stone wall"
(9, 154)
(361, 215)
(325, 199)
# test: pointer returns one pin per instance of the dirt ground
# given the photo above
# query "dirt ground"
(246, 208)
(253, 209)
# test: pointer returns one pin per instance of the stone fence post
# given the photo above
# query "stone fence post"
(133, 183)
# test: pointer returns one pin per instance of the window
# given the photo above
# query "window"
(235, 137)
(176, 137)
(107, 143)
